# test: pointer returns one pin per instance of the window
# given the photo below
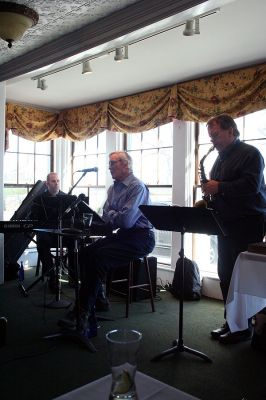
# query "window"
(25, 162)
(152, 154)
(88, 154)
(253, 131)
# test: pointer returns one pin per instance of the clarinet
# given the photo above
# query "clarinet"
(206, 200)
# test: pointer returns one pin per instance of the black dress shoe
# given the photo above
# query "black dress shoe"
(236, 337)
(216, 333)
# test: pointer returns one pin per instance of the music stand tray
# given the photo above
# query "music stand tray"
(182, 219)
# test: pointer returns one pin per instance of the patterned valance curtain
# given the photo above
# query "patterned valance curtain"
(83, 122)
(236, 93)
(32, 123)
(140, 112)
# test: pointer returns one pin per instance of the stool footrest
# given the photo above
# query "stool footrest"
(139, 286)
(130, 286)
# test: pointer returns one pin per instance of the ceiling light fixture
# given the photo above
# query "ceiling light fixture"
(189, 28)
(119, 56)
(41, 84)
(192, 27)
(125, 52)
(121, 53)
(15, 19)
(197, 27)
(86, 68)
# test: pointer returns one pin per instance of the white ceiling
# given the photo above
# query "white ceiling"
(229, 39)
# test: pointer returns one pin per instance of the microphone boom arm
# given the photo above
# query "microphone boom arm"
(70, 191)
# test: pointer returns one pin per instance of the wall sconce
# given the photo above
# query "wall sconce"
(15, 19)
(86, 68)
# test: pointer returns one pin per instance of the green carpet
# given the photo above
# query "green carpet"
(33, 368)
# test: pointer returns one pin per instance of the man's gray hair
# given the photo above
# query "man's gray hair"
(124, 156)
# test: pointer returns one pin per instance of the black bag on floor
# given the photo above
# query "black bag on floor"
(192, 284)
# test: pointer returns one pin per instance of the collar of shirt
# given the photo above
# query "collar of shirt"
(126, 181)
(224, 153)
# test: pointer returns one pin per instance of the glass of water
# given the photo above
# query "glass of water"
(123, 346)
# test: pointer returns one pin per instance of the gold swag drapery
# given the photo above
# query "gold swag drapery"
(32, 123)
(236, 92)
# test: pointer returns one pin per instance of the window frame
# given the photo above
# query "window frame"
(25, 185)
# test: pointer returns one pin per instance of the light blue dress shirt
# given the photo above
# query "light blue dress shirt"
(121, 208)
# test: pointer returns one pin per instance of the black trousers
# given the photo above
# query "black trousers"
(113, 251)
(240, 233)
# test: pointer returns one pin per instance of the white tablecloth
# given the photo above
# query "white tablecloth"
(247, 291)
(147, 388)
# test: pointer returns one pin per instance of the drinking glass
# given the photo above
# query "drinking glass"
(87, 219)
(123, 346)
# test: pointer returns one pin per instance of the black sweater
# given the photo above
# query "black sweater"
(239, 169)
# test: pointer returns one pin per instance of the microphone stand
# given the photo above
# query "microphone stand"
(58, 303)
(75, 335)
(70, 191)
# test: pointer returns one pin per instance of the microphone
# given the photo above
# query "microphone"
(82, 196)
(94, 169)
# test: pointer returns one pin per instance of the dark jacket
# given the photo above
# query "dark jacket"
(242, 191)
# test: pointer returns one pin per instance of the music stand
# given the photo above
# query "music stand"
(182, 219)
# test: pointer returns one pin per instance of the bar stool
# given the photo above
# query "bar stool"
(145, 286)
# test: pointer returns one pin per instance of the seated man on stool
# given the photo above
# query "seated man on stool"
(133, 238)
(45, 241)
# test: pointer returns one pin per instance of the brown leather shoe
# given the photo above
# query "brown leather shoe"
(216, 333)
(236, 337)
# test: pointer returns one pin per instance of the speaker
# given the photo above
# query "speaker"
(16, 242)
(139, 276)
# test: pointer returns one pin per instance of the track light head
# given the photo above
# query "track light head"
(86, 68)
(119, 56)
(197, 26)
(189, 28)
(41, 84)
(121, 53)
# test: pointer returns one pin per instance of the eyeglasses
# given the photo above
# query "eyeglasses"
(113, 162)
